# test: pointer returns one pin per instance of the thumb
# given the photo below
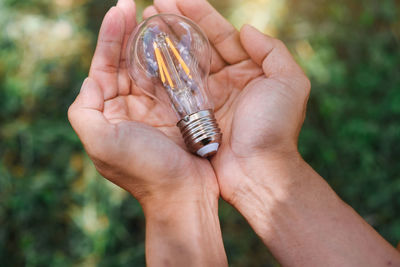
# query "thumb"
(268, 52)
(86, 116)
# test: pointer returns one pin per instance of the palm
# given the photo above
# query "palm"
(155, 145)
(140, 108)
(135, 143)
(252, 115)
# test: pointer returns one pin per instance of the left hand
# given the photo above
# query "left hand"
(124, 131)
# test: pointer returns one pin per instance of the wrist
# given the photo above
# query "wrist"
(267, 175)
(178, 204)
(187, 194)
(184, 232)
(277, 187)
(192, 184)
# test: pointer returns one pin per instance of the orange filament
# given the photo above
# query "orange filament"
(161, 65)
(178, 56)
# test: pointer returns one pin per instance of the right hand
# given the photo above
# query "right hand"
(260, 94)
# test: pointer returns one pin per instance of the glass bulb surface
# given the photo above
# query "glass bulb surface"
(169, 57)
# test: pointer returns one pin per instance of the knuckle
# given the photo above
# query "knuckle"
(107, 68)
(225, 35)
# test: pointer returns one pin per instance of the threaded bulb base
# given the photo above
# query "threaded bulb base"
(201, 133)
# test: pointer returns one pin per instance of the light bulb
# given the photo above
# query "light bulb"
(168, 57)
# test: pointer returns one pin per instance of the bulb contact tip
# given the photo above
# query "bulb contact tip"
(201, 133)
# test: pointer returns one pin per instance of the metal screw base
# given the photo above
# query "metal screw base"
(199, 130)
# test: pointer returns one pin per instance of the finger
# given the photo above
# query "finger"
(106, 59)
(149, 11)
(170, 6)
(167, 6)
(128, 8)
(222, 35)
(273, 56)
(86, 116)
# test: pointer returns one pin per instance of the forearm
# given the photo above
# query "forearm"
(303, 222)
(184, 234)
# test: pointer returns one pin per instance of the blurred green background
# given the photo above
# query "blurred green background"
(55, 210)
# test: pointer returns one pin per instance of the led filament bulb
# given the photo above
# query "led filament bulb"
(169, 57)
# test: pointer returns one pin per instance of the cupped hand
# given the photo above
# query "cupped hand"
(259, 92)
(124, 131)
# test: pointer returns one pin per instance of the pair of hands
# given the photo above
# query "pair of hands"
(259, 93)
(260, 96)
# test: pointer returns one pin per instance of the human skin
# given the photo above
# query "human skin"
(261, 95)
(126, 138)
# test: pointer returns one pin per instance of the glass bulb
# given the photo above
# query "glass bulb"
(168, 57)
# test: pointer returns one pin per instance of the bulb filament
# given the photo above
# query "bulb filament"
(168, 71)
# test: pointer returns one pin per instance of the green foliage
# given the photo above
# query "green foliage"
(55, 210)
